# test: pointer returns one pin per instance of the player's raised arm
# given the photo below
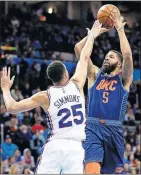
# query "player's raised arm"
(82, 66)
(92, 69)
(127, 68)
(13, 106)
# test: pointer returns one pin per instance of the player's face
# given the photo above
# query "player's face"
(110, 62)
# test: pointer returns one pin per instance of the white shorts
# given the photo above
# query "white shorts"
(61, 156)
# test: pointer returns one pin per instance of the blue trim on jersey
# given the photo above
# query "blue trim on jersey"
(107, 122)
(48, 121)
(122, 84)
(123, 107)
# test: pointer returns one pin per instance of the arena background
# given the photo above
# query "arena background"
(34, 33)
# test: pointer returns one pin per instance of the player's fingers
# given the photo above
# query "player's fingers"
(88, 30)
(112, 17)
(12, 79)
(9, 70)
(98, 24)
(95, 24)
(124, 23)
(4, 71)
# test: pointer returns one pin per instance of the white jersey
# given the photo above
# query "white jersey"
(66, 113)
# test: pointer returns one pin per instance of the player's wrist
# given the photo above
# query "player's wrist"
(91, 35)
(5, 89)
(120, 27)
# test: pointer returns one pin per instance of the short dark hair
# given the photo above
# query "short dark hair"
(55, 71)
(118, 54)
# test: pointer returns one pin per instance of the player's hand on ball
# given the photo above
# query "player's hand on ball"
(6, 83)
(95, 30)
(116, 18)
(102, 30)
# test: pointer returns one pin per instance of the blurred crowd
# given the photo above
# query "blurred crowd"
(26, 133)
(25, 29)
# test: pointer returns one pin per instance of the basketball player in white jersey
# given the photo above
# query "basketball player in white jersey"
(64, 106)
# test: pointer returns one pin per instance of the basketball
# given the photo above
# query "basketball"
(103, 15)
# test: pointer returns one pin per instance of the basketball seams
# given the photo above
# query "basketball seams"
(109, 14)
(104, 12)
(103, 17)
(109, 9)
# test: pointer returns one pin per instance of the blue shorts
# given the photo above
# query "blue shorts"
(104, 143)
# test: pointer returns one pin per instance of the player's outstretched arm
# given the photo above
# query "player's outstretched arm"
(92, 69)
(82, 66)
(13, 106)
(127, 70)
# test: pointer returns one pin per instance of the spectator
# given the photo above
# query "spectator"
(17, 156)
(36, 144)
(11, 128)
(27, 119)
(37, 126)
(27, 171)
(28, 159)
(24, 137)
(138, 153)
(8, 148)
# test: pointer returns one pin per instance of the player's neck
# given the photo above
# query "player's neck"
(61, 83)
(115, 72)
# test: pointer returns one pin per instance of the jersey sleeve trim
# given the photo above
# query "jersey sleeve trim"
(122, 83)
(49, 97)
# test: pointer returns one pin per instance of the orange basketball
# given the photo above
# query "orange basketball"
(103, 15)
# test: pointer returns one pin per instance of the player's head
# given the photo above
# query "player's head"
(113, 60)
(57, 72)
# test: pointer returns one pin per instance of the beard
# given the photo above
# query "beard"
(108, 68)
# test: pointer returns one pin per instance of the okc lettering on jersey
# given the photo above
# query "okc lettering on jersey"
(66, 99)
(107, 85)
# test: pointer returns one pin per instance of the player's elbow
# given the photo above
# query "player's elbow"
(11, 109)
(77, 48)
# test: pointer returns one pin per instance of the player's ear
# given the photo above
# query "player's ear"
(119, 65)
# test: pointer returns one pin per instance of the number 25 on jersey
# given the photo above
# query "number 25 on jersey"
(75, 112)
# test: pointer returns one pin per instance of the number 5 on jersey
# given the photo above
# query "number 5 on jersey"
(76, 111)
(105, 97)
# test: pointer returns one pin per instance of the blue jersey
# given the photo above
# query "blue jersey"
(107, 98)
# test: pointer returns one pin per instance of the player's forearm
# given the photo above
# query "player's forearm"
(124, 44)
(87, 49)
(9, 101)
(79, 46)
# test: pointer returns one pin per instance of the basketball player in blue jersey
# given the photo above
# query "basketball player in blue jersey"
(64, 106)
(108, 90)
